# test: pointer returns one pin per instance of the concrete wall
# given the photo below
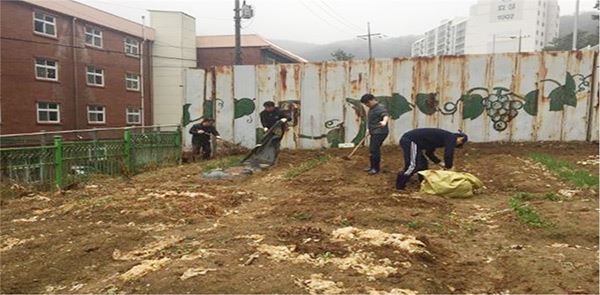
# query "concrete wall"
(504, 97)
(174, 51)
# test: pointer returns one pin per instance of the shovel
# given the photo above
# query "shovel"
(356, 147)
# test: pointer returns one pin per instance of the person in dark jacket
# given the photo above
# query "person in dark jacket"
(377, 122)
(420, 140)
(201, 133)
(269, 117)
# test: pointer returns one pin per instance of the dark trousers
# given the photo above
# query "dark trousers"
(414, 161)
(204, 146)
(375, 150)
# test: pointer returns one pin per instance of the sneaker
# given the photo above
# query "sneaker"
(367, 169)
(373, 172)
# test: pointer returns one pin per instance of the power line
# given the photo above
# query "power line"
(321, 18)
(329, 10)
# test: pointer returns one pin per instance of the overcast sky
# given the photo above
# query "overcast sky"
(315, 21)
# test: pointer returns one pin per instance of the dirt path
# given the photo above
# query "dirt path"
(330, 229)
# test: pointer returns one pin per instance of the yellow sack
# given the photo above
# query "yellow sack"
(449, 183)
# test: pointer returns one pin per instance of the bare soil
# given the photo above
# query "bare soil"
(65, 242)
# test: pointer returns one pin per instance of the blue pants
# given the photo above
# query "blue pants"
(414, 161)
(375, 150)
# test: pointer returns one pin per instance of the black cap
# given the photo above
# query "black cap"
(268, 104)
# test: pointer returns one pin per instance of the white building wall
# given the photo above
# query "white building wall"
(445, 39)
(492, 23)
(173, 51)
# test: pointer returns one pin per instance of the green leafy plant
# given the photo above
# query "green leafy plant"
(326, 255)
(308, 165)
(566, 170)
(552, 197)
(302, 216)
(526, 213)
(413, 224)
(221, 163)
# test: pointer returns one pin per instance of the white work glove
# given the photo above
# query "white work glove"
(283, 120)
(200, 131)
(265, 129)
(218, 137)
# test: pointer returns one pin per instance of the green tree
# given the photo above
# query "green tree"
(596, 15)
(340, 54)
(566, 42)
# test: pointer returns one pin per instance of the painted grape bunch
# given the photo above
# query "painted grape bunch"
(501, 108)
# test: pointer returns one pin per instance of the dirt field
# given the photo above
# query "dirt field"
(330, 229)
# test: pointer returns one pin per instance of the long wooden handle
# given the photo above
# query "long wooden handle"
(357, 146)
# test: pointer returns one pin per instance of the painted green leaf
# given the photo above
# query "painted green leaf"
(361, 114)
(335, 136)
(427, 103)
(186, 119)
(243, 107)
(208, 109)
(531, 102)
(472, 106)
(396, 105)
(563, 95)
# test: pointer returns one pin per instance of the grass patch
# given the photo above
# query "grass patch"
(525, 212)
(302, 216)
(552, 197)
(566, 170)
(413, 224)
(221, 163)
(308, 165)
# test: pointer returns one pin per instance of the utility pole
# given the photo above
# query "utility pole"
(575, 23)
(368, 38)
(246, 13)
(238, 37)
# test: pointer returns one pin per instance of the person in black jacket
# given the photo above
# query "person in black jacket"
(269, 117)
(420, 140)
(201, 133)
(377, 121)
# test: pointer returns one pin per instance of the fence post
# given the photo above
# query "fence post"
(127, 150)
(58, 161)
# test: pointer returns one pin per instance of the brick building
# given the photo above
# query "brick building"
(66, 65)
(220, 50)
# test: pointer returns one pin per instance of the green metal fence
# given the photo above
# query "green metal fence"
(72, 158)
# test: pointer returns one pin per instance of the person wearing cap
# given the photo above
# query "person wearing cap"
(201, 133)
(377, 122)
(425, 140)
(269, 117)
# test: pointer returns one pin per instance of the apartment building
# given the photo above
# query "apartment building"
(66, 65)
(448, 38)
(497, 26)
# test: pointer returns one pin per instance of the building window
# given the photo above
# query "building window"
(96, 114)
(133, 116)
(46, 69)
(48, 112)
(132, 82)
(132, 46)
(93, 37)
(95, 76)
(44, 24)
